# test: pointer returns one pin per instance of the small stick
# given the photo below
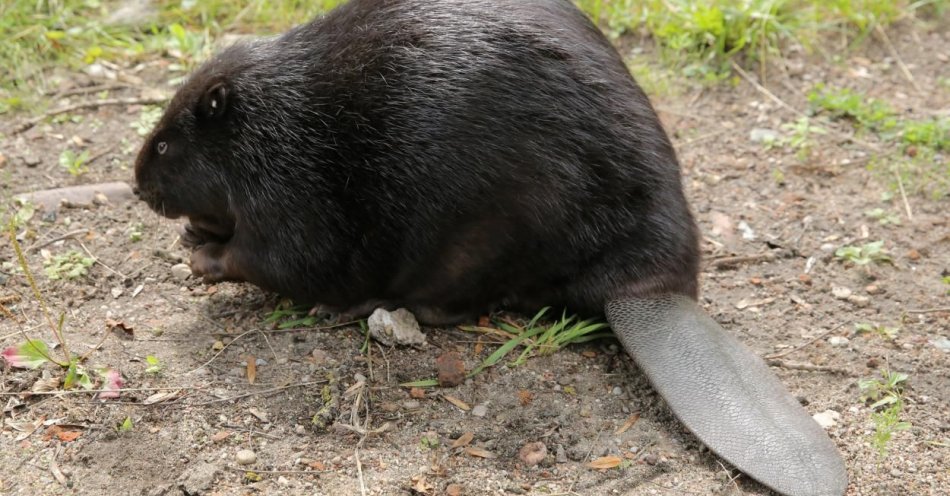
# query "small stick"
(900, 186)
(359, 471)
(900, 62)
(727, 261)
(257, 393)
(88, 89)
(96, 259)
(84, 105)
(274, 472)
(215, 356)
(44, 244)
(929, 310)
(803, 345)
(96, 391)
(808, 366)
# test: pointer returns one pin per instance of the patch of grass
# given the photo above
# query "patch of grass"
(702, 37)
(534, 337)
(887, 393)
(922, 168)
(70, 265)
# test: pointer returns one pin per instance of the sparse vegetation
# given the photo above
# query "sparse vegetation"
(887, 395)
(70, 265)
(287, 316)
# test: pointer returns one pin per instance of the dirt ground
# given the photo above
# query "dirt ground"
(784, 214)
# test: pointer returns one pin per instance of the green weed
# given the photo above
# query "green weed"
(70, 265)
(153, 365)
(800, 136)
(287, 316)
(869, 113)
(863, 255)
(535, 337)
(887, 395)
(883, 217)
(888, 333)
(74, 163)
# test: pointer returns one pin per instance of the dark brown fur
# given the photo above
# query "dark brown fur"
(448, 156)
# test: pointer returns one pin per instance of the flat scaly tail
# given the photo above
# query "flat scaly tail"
(727, 396)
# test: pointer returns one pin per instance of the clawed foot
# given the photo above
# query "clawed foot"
(208, 262)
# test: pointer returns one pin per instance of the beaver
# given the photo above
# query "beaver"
(456, 156)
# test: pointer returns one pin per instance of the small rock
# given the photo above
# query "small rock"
(181, 271)
(411, 405)
(859, 301)
(942, 343)
(616, 391)
(650, 459)
(245, 457)
(746, 230)
(532, 453)
(827, 419)
(873, 289)
(838, 341)
(218, 345)
(399, 327)
(560, 455)
(197, 478)
(450, 368)
(761, 135)
(116, 292)
(480, 410)
(840, 292)
(299, 429)
(282, 481)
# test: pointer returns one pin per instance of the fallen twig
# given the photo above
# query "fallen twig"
(809, 367)
(38, 245)
(729, 261)
(900, 62)
(97, 391)
(258, 393)
(900, 186)
(805, 344)
(929, 310)
(84, 105)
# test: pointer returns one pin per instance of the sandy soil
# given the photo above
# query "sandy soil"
(777, 299)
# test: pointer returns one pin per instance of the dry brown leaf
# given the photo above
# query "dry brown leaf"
(463, 440)
(220, 436)
(479, 347)
(629, 423)
(589, 354)
(605, 462)
(251, 369)
(479, 452)
(318, 465)
(532, 453)
(417, 393)
(484, 321)
(453, 490)
(457, 402)
(421, 485)
(525, 397)
(120, 329)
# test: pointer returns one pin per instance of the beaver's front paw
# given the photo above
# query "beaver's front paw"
(190, 237)
(208, 262)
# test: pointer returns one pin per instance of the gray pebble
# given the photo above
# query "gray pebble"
(181, 271)
(480, 410)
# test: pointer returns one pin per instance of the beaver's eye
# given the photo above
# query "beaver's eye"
(162, 147)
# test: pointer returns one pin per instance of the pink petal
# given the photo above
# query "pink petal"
(112, 384)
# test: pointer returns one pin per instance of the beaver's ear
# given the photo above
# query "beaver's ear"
(214, 101)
